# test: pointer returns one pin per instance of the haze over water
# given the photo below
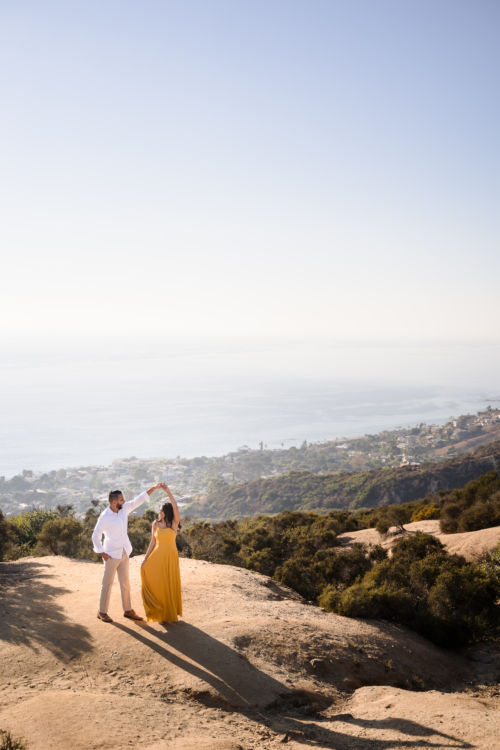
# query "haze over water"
(201, 187)
(77, 405)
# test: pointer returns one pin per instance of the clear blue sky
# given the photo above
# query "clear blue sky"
(251, 167)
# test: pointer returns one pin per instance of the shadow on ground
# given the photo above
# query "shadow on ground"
(30, 614)
(239, 685)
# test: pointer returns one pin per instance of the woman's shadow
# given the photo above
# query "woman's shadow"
(240, 686)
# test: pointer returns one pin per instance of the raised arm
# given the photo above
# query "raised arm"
(177, 517)
(131, 505)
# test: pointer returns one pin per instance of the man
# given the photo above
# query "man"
(116, 549)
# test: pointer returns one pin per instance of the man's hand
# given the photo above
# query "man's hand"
(153, 489)
(105, 556)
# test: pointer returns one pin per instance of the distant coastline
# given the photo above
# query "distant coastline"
(192, 477)
(65, 408)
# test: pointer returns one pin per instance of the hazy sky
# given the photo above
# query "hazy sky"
(259, 167)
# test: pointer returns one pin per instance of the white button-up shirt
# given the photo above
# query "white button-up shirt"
(114, 527)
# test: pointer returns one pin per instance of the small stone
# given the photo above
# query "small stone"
(318, 664)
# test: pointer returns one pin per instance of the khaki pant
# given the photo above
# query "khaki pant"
(111, 567)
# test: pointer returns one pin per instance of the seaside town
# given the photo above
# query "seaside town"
(190, 477)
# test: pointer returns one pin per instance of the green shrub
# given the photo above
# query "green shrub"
(461, 606)
(5, 535)
(139, 532)
(426, 512)
(27, 527)
(262, 561)
(7, 742)
(61, 536)
(383, 525)
(377, 553)
(478, 516)
(475, 506)
(415, 547)
(329, 598)
(385, 601)
(443, 597)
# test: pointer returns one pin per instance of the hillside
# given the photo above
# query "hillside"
(300, 490)
(469, 544)
(251, 666)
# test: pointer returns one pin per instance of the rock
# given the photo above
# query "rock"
(319, 665)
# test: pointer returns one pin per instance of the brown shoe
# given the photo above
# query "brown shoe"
(104, 617)
(132, 615)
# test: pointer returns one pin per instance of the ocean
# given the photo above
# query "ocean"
(79, 403)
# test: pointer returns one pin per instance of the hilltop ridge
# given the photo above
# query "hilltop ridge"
(301, 490)
(251, 666)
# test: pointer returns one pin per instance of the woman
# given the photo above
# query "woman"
(161, 580)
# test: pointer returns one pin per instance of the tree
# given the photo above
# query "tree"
(398, 516)
(383, 525)
(4, 535)
(27, 527)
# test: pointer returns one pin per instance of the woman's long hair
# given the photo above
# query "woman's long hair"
(168, 512)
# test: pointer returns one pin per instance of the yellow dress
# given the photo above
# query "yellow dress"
(161, 579)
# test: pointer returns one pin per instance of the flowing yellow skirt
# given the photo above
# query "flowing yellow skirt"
(161, 579)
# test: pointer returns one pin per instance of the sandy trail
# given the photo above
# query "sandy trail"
(250, 666)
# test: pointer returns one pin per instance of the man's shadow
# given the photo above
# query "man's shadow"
(241, 687)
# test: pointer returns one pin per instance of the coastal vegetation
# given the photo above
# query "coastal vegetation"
(445, 598)
(59, 531)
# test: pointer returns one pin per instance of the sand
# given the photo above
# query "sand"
(251, 665)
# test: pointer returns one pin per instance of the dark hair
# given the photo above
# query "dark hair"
(114, 494)
(168, 512)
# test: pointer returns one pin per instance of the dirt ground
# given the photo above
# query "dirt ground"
(250, 666)
(470, 544)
